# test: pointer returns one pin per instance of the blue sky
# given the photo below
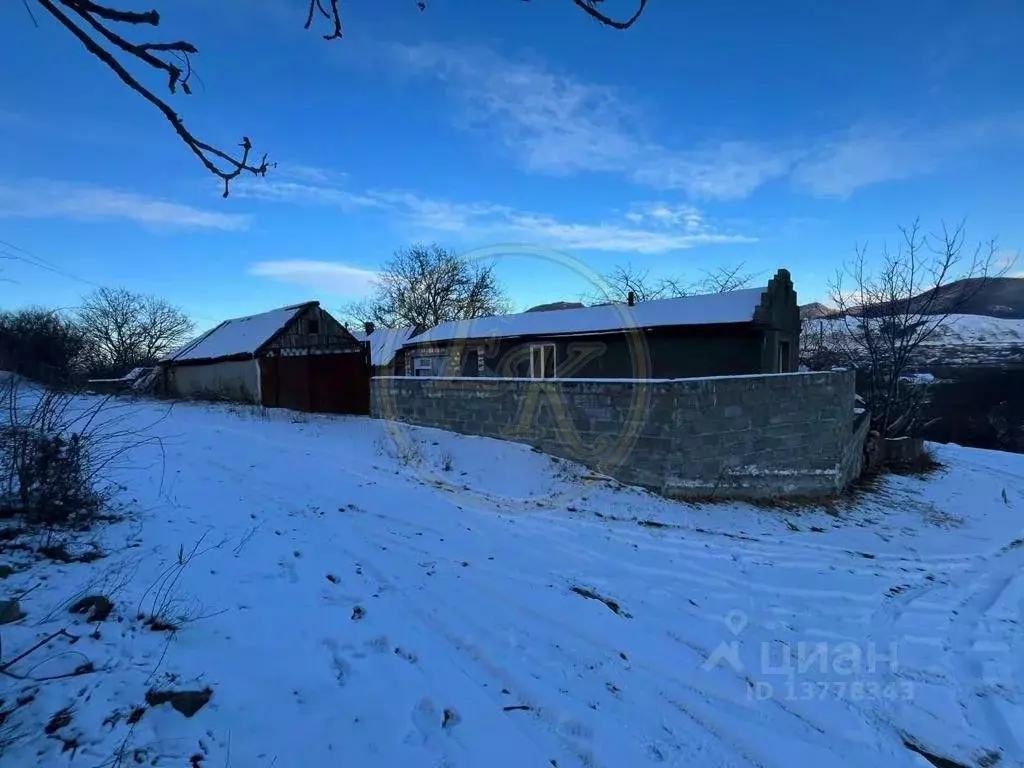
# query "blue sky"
(773, 134)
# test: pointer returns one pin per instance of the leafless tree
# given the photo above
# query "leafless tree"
(889, 309)
(123, 329)
(725, 279)
(103, 30)
(623, 280)
(425, 285)
(41, 344)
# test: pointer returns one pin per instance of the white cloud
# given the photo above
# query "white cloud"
(304, 191)
(611, 237)
(862, 158)
(62, 200)
(649, 228)
(667, 215)
(872, 154)
(558, 124)
(327, 276)
(555, 123)
(727, 170)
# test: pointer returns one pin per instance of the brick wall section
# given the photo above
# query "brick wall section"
(851, 462)
(742, 436)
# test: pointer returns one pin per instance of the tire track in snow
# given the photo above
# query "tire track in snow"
(656, 675)
(993, 578)
(548, 713)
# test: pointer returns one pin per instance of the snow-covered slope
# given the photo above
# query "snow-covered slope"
(959, 339)
(957, 329)
(367, 597)
(977, 329)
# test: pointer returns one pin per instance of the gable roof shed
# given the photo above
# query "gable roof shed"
(241, 338)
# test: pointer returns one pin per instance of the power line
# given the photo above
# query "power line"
(11, 251)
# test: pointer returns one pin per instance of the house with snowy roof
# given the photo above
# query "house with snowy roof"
(297, 357)
(749, 331)
(385, 347)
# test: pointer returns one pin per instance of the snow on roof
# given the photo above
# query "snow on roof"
(706, 309)
(384, 343)
(238, 336)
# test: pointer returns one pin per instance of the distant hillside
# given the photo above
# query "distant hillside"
(555, 305)
(1001, 297)
(992, 297)
(814, 311)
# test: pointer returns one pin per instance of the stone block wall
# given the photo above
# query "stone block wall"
(739, 436)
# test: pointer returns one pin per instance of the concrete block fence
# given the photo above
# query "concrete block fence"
(756, 436)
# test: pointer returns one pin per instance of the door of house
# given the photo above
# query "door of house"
(329, 383)
(339, 383)
(284, 382)
(784, 352)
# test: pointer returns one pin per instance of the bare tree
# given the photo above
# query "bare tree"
(124, 330)
(425, 285)
(624, 280)
(103, 32)
(889, 310)
(725, 279)
(40, 344)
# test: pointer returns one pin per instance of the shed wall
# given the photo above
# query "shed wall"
(231, 380)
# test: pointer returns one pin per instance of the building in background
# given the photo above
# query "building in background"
(749, 331)
(296, 357)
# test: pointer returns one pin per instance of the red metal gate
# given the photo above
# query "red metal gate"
(338, 382)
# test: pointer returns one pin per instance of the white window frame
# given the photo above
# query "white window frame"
(543, 357)
(423, 363)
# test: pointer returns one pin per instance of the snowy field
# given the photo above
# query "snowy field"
(960, 339)
(354, 597)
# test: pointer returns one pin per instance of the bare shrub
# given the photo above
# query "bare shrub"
(162, 608)
(402, 448)
(55, 451)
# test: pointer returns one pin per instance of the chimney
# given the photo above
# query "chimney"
(368, 327)
(631, 298)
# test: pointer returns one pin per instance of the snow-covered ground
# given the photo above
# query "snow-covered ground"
(958, 329)
(960, 339)
(366, 597)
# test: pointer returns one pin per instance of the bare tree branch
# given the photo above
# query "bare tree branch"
(220, 163)
(624, 280)
(99, 38)
(31, 15)
(333, 16)
(892, 310)
(590, 8)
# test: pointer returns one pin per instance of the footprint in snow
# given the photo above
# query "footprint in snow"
(377, 645)
(288, 566)
(407, 655)
(342, 669)
(426, 720)
(431, 724)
